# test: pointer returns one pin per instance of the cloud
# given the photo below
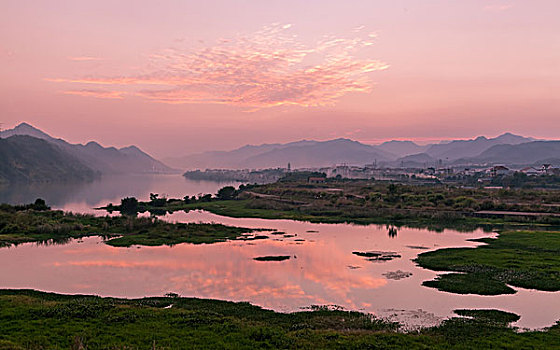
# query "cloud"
(268, 68)
(97, 93)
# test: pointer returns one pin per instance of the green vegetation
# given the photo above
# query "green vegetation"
(527, 259)
(36, 223)
(434, 207)
(183, 233)
(37, 320)
(495, 316)
(272, 258)
(378, 256)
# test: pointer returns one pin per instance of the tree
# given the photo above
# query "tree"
(129, 206)
(227, 193)
(205, 198)
(40, 205)
(155, 201)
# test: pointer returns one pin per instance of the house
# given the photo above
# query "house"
(499, 170)
(530, 171)
(546, 169)
(316, 180)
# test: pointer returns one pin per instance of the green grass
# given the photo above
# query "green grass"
(527, 259)
(435, 207)
(36, 320)
(196, 233)
(22, 226)
(272, 258)
(494, 316)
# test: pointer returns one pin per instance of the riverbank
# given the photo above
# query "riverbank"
(37, 320)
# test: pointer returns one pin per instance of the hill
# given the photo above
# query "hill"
(30, 159)
(458, 149)
(401, 148)
(531, 153)
(105, 160)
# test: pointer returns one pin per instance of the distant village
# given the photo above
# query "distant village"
(465, 176)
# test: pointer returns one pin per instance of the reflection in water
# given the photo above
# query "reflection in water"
(84, 196)
(320, 275)
(392, 231)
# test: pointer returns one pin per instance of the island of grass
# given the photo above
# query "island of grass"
(272, 258)
(526, 259)
(37, 320)
(36, 223)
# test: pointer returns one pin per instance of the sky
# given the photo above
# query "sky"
(180, 77)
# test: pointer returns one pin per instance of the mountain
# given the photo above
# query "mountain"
(319, 154)
(420, 160)
(308, 153)
(228, 159)
(299, 154)
(30, 159)
(26, 129)
(530, 153)
(106, 160)
(401, 148)
(458, 149)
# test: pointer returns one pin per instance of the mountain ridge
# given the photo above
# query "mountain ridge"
(105, 160)
(391, 153)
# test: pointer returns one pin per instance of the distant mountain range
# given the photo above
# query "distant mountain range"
(300, 154)
(29, 154)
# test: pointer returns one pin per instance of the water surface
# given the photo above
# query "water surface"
(84, 196)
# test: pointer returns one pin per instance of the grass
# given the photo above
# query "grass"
(435, 207)
(527, 259)
(272, 258)
(23, 225)
(489, 315)
(37, 320)
(196, 233)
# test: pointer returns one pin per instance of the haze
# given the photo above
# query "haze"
(178, 77)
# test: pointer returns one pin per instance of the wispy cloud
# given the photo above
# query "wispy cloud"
(97, 93)
(271, 67)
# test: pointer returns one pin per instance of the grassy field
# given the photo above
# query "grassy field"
(434, 207)
(36, 320)
(527, 259)
(22, 225)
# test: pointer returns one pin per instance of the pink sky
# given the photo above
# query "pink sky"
(177, 77)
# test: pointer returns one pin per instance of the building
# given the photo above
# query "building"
(530, 171)
(499, 170)
(316, 180)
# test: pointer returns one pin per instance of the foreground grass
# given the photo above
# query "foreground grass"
(28, 225)
(36, 320)
(527, 259)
